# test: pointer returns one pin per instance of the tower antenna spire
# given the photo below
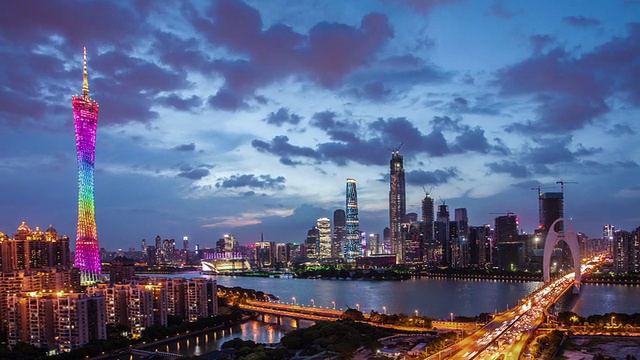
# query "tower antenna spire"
(85, 75)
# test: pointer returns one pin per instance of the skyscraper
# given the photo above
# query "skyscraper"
(339, 229)
(397, 200)
(324, 235)
(441, 234)
(85, 118)
(352, 238)
(551, 209)
(427, 216)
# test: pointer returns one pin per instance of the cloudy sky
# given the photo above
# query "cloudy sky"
(247, 117)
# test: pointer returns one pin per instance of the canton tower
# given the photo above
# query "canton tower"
(85, 118)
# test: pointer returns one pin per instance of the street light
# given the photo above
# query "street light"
(358, 306)
(612, 318)
(294, 300)
(313, 303)
(416, 313)
(334, 305)
(451, 317)
(384, 308)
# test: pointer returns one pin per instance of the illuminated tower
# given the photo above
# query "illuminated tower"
(397, 202)
(85, 118)
(352, 238)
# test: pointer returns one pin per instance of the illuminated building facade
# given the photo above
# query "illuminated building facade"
(397, 202)
(55, 321)
(85, 118)
(351, 248)
(324, 237)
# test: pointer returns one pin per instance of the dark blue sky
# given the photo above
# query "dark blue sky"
(247, 117)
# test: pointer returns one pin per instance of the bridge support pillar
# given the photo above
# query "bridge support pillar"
(296, 323)
(264, 318)
(278, 320)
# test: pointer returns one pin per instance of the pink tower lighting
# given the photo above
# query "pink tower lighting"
(85, 118)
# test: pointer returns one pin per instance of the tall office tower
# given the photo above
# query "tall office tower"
(374, 244)
(185, 243)
(386, 240)
(339, 231)
(397, 200)
(312, 242)
(461, 240)
(351, 248)
(551, 209)
(506, 229)
(324, 232)
(441, 234)
(85, 118)
(427, 216)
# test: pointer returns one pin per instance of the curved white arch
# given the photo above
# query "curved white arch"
(550, 242)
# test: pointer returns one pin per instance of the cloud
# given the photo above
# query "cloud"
(194, 174)
(512, 168)
(499, 10)
(252, 181)
(572, 91)
(282, 116)
(436, 177)
(423, 6)
(185, 147)
(620, 130)
(551, 151)
(484, 105)
(266, 55)
(178, 103)
(369, 143)
(581, 21)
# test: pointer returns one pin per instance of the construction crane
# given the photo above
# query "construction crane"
(562, 182)
(508, 213)
(541, 188)
(427, 193)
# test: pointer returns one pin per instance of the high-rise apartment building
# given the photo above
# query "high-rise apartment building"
(85, 118)
(35, 249)
(339, 232)
(324, 238)
(56, 321)
(626, 251)
(397, 201)
(352, 237)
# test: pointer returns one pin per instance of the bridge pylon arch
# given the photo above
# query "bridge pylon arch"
(550, 242)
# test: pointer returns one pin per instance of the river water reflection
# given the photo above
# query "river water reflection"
(438, 298)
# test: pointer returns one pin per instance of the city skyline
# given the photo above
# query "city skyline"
(248, 117)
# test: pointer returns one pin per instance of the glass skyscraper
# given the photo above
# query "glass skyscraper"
(397, 202)
(352, 247)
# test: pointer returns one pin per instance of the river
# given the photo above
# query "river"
(438, 298)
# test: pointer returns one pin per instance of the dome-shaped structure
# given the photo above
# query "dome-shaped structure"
(37, 231)
(51, 230)
(24, 228)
